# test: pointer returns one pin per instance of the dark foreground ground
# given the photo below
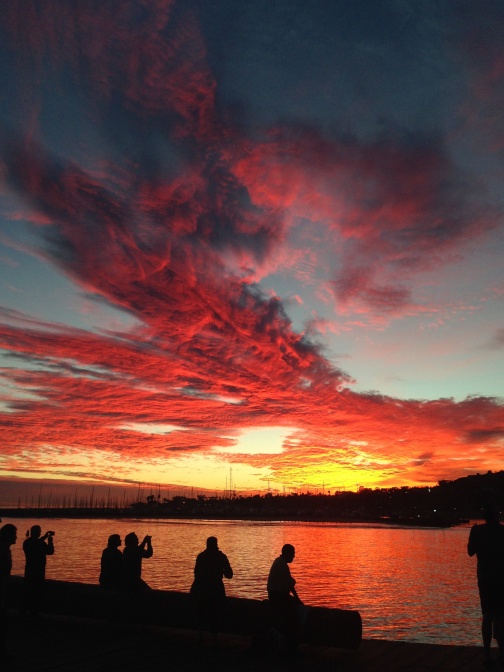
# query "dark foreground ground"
(64, 644)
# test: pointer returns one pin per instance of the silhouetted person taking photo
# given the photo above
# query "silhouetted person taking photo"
(111, 564)
(133, 555)
(284, 599)
(8, 537)
(207, 590)
(487, 543)
(36, 550)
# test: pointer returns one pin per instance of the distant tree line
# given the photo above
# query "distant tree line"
(461, 498)
(449, 501)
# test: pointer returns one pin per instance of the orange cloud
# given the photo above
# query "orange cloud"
(174, 217)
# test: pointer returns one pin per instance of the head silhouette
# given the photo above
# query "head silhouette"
(491, 513)
(8, 534)
(35, 531)
(211, 544)
(131, 539)
(288, 552)
(114, 541)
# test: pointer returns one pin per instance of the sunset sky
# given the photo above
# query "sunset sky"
(257, 236)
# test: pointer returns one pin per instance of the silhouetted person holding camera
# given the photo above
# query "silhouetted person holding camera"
(283, 598)
(36, 550)
(111, 564)
(208, 589)
(133, 555)
(487, 543)
(8, 537)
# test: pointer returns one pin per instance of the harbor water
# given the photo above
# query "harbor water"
(411, 584)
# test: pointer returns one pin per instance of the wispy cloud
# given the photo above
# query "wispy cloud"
(175, 212)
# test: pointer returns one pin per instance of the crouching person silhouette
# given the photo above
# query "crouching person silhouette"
(133, 555)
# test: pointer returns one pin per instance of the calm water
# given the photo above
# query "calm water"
(410, 584)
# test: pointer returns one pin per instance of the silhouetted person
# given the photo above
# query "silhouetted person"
(133, 555)
(36, 550)
(111, 564)
(487, 543)
(283, 597)
(8, 537)
(208, 589)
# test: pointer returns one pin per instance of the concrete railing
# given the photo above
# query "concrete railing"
(320, 626)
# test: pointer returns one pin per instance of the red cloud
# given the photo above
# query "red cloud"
(175, 226)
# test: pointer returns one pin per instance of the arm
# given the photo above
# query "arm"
(226, 567)
(298, 599)
(292, 589)
(147, 550)
(49, 546)
(471, 544)
(198, 572)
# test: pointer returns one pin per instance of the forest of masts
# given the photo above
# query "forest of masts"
(469, 492)
(89, 499)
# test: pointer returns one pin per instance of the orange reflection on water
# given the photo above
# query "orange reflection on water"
(411, 584)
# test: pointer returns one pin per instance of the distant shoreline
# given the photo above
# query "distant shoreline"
(114, 514)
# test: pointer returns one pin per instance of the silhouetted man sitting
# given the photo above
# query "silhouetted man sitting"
(283, 598)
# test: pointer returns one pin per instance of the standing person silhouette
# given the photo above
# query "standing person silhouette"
(486, 541)
(8, 537)
(133, 555)
(283, 598)
(36, 550)
(111, 564)
(208, 589)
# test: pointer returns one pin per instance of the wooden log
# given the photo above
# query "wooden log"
(321, 626)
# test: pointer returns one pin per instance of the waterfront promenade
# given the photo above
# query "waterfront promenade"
(63, 644)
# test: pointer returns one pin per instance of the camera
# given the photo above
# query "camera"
(50, 533)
